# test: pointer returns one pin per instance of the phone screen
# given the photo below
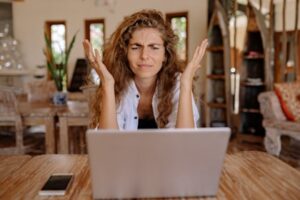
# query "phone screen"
(57, 184)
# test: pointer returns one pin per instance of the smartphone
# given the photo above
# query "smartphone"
(57, 184)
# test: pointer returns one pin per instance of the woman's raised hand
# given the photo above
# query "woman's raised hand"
(95, 60)
(194, 64)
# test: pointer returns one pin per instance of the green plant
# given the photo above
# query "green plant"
(58, 67)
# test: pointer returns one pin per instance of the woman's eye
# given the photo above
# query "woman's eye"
(134, 47)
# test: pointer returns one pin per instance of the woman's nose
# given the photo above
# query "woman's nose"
(144, 53)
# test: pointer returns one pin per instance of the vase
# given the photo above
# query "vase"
(60, 98)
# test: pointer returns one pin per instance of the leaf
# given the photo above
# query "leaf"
(58, 69)
(69, 50)
(49, 48)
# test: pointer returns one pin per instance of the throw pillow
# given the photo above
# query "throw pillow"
(288, 95)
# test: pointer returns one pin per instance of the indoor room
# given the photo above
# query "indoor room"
(239, 60)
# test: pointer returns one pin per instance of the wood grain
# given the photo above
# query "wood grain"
(9, 164)
(28, 180)
(245, 175)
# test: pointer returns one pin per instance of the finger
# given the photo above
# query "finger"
(98, 55)
(88, 50)
(99, 62)
(195, 54)
(202, 50)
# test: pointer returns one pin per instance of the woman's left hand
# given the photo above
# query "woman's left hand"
(194, 64)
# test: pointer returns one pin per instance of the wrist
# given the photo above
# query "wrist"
(186, 84)
(108, 87)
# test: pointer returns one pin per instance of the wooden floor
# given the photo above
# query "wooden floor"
(290, 148)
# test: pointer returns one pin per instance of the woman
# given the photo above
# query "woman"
(141, 84)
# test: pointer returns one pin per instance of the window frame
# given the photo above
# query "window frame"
(88, 22)
(170, 16)
(47, 30)
(48, 25)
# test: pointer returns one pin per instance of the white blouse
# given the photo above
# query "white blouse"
(127, 116)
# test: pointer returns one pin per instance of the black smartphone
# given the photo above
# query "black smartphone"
(57, 184)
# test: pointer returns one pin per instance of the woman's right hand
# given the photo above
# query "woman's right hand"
(95, 60)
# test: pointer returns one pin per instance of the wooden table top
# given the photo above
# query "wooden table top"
(9, 164)
(44, 109)
(245, 175)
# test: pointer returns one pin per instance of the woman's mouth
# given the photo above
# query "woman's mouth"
(144, 65)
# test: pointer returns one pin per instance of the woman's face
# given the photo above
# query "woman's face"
(146, 53)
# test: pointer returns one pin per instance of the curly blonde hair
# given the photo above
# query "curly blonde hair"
(115, 59)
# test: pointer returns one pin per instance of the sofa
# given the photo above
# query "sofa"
(281, 114)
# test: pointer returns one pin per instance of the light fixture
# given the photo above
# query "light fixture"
(108, 3)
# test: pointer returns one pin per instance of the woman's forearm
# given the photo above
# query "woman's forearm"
(108, 116)
(185, 117)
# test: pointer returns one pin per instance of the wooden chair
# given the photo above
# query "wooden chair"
(10, 116)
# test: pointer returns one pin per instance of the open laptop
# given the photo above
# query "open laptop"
(156, 162)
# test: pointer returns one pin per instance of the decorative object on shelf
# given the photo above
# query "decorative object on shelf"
(58, 69)
(10, 56)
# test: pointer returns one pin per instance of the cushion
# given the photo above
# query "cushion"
(288, 95)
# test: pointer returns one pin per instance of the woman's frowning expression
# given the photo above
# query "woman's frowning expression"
(146, 53)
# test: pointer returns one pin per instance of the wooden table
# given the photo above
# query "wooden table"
(76, 114)
(9, 164)
(245, 175)
(41, 114)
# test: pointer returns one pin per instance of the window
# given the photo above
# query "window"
(56, 30)
(94, 32)
(179, 23)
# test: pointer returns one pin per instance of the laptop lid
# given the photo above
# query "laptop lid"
(157, 162)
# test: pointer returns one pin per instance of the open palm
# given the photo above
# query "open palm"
(95, 60)
(194, 64)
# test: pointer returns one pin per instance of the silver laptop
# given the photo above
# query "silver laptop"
(156, 163)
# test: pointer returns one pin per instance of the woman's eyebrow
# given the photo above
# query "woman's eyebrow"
(135, 44)
(151, 44)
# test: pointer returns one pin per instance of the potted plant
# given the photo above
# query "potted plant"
(57, 67)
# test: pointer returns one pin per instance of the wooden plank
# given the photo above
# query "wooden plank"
(217, 105)
(245, 175)
(28, 180)
(9, 164)
(258, 175)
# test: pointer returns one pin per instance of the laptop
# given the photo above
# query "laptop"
(156, 163)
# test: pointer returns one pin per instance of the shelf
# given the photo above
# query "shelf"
(14, 72)
(215, 48)
(215, 76)
(245, 83)
(251, 110)
(253, 81)
(254, 57)
(217, 99)
(217, 105)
